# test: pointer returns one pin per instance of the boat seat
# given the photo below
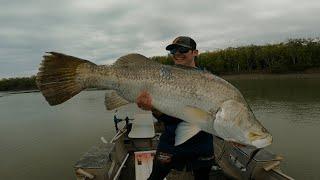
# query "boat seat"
(142, 126)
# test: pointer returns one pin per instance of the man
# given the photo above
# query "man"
(181, 144)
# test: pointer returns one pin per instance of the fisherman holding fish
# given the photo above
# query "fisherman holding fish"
(182, 144)
(201, 102)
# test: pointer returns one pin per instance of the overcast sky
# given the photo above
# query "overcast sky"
(103, 30)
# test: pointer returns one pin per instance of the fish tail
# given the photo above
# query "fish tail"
(59, 77)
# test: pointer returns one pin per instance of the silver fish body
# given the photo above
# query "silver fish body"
(192, 95)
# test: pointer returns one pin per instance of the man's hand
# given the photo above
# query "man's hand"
(144, 101)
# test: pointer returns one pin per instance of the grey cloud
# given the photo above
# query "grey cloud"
(102, 31)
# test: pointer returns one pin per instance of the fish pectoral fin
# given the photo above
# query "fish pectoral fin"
(201, 118)
(113, 100)
(196, 115)
(184, 132)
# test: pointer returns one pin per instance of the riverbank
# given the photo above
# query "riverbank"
(6, 93)
(271, 76)
(247, 76)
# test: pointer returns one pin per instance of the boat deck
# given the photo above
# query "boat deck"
(97, 162)
(115, 160)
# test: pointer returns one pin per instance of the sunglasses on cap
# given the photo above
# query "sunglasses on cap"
(181, 50)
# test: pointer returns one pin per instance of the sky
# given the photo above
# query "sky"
(103, 30)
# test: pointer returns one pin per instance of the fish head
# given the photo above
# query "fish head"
(236, 122)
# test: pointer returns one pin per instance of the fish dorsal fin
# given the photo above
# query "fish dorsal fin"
(133, 59)
(113, 100)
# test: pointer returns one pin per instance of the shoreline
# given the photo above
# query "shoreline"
(254, 76)
(246, 76)
(6, 93)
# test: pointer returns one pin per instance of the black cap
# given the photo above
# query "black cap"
(182, 41)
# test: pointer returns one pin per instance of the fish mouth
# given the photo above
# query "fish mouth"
(262, 142)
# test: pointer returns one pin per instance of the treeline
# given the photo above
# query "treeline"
(13, 84)
(295, 55)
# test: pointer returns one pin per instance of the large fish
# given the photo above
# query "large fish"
(195, 96)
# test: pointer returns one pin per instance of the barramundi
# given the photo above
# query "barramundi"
(197, 97)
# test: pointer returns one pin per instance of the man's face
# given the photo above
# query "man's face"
(184, 58)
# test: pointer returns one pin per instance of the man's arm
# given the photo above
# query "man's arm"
(144, 101)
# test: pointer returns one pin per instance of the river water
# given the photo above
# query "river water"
(38, 141)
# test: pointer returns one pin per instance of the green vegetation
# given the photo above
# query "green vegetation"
(12, 84)
(295, 55)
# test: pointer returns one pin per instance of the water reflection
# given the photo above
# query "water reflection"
(298, 99)
(280, 90)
